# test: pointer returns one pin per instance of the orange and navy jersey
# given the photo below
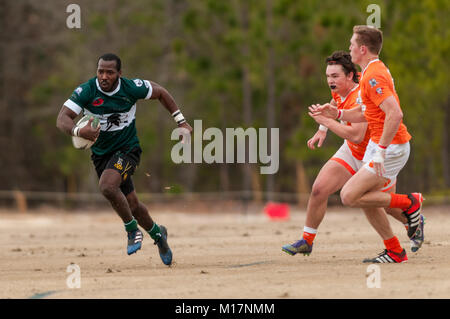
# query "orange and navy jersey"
(376, 85)
(346, 103)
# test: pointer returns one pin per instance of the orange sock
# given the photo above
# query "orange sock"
(399, 201)
(308, 237)
(393, 244)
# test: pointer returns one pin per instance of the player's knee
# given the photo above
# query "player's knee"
(318, 191)
(348, 199)
(108, 190)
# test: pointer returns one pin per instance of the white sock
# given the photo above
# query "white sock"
(309, 230)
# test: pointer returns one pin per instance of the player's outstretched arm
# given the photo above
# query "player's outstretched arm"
(326, 110)
(354, 133)
(168, 102)
(164, 97)
(353, 115)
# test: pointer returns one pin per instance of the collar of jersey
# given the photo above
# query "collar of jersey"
(362, 73)
(343, 98)
(108, 93)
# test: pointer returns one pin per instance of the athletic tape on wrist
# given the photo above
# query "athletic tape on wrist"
(379, 155)
(75, 131)
(179, 118)
(323, 128)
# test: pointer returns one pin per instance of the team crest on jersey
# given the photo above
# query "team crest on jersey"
(138, 82)
(379, 91)
(373, 82)
(78, 90)
(97, 102)
(359, 100)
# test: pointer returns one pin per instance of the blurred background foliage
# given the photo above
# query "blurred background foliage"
(228, 63)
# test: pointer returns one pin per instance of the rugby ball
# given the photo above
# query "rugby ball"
(80, 142)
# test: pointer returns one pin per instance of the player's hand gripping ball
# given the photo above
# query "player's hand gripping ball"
(80, 142)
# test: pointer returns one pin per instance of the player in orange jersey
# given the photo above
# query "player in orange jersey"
(342, 78)
(387, 151)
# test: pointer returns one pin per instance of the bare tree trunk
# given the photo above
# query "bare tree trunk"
(270, 107)
(13, 104)
(302, 184)
(224, 167)
(246, 93)
(256, 184)
(446, 144)
(4, 118)
(158, 165)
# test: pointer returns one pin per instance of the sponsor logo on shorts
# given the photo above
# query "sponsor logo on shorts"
(118, 164)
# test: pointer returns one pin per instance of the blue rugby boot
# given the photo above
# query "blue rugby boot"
(134, 241)
(299, 247)
(164, 250)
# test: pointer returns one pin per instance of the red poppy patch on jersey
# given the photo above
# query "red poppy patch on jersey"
(98, 102)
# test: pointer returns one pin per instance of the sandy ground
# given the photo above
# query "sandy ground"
(229, 255)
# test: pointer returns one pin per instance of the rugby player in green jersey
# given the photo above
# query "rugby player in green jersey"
(116, 151)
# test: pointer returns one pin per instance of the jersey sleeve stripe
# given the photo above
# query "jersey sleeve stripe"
(150, 89)
(73, 106)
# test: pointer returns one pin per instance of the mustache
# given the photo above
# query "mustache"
(108, 81)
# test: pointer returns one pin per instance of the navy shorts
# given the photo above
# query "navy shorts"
(121, 161)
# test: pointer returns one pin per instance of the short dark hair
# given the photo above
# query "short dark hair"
(344, 59)
(369, 36)
(111, 57)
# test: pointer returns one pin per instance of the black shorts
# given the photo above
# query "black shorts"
(121, 161)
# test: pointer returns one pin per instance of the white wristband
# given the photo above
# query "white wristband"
(178, 117)
(75, 131)
(323, 128)
(380, 154)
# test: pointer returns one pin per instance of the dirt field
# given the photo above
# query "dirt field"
(229, 255)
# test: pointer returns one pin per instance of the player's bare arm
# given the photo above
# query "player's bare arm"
(168, 101)
(164, 97)
(394, 116)
(65, 123)
(354, 115)
(320, 135)
(392, 122)
(354, 133)
(319, 138)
